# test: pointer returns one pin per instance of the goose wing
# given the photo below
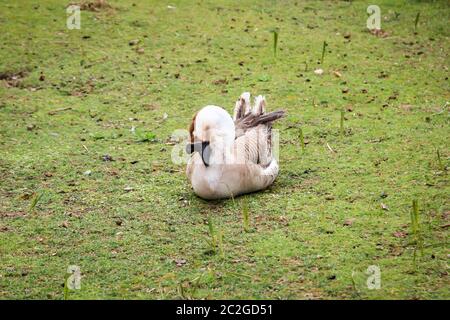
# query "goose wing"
(253, 128)
(246, 118)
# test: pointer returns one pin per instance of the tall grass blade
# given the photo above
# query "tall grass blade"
(220, 243)
(416, 231)
(416, 22)
(302, 140)
(275, 42)
(441, 165)
(325, 44)
(66, 287)
(212, 234)
(245, 215)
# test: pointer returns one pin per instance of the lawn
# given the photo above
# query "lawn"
(87, 115)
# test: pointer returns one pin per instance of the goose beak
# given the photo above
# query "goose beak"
(202, 148)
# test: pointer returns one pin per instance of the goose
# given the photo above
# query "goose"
(232, 156)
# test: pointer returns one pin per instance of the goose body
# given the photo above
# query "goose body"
(232, 156)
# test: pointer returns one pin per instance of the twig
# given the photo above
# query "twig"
(329, 148)
(53, 112)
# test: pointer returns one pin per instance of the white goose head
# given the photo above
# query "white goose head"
(212, 131)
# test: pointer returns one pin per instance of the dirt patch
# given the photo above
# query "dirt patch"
(12, 214)
(380, 33)
(406, 108)
(13, 79)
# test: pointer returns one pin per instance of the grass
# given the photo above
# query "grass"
(416, 21)
(341, 127)
(275, 41)
(66, 287)
(34, 202)
(441, 165)
(302, 139)
(245, 215)
(416, 232)
(324, 47)
(133, 224)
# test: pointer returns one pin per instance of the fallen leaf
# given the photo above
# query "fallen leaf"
(400, 234)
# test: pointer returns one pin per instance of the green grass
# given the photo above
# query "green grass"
(131, 221)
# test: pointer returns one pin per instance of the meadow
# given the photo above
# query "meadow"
(87, 180)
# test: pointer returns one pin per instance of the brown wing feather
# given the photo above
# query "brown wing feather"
(191, 128)
(250, 120)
